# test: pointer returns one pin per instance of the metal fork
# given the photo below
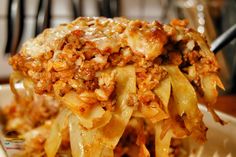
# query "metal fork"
(43, 16)
(15, 24)
(224, 39)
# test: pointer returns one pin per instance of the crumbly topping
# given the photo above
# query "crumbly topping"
(73, 54)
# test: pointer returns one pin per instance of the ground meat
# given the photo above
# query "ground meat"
(192, 57)
(28, 114)
(175, 58)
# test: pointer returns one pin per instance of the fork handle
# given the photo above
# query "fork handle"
(43, 16)
(77, 6)
(224, 39)
(15, 24)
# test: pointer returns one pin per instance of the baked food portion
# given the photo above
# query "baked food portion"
(107, 71)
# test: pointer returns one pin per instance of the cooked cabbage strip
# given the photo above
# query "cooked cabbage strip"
(153, 113)
(163, 92)
(89, 116)
(54, 140)
(162, 145)
(185, 100)
(125, 85)
(77, 147)
(103, 140)
(97, 118)
(174, 123)
(72, 101)
(143, 151)
(85, 143)
(107, 152)
(209, 83)
(29, 87)
(183, 92)
(19, 95)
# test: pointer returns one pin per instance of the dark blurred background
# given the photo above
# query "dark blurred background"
(24, 19)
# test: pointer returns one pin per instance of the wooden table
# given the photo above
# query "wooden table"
(226, 104)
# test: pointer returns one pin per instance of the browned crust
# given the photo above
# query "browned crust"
(77, 56)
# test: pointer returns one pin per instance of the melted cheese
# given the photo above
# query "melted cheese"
(107, 35)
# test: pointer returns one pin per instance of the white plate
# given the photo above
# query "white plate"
(221, 139)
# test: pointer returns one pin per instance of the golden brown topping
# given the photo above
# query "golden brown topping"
(146, 38)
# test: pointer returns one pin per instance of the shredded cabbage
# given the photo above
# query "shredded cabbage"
(183, 92)
(77, 147)
(209, 83)
(54, 140)
(88, 141)
(125, 85)
(185, 105)
(89, 116)
(163, 92)
(162, 145)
